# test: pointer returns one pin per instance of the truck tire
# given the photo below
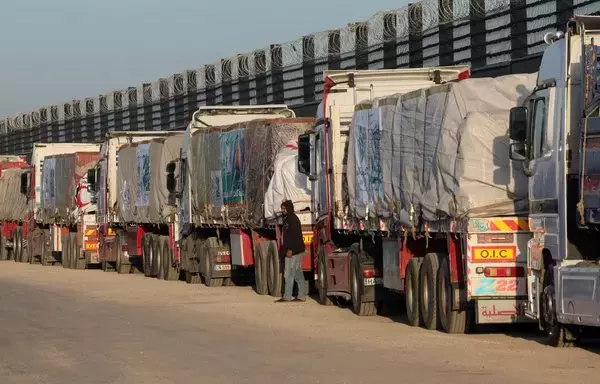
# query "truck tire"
(359, 307)
(17, 248)
(73, 257)
(427, 283)
(450, 321)
(64, 256)
(557, 335)
(274, 270)
(156, 256)
(148, 251)
(411, 289)
(32, 259)
(209, 263)
(321, 282)
(260, 278)
(3, 249)
(122, 268)
(25, 254)
(171, 272)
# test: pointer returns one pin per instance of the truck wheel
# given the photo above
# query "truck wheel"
(17, 249)
(557, 335)
(25, 249)
(3, 249)
(274, 271)
(209, 264)
(260, 279)
(411, 289)
(359, 307)
(427, 279)
(171, 272)
(32, 259)
(145, 254)
(321, 282)
(450, 321)
(64, 256)
(149, 254)
(122, 268)
(156, 256)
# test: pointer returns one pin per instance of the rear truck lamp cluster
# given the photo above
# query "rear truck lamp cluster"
(496, 238)
(371, 272)
(223, 259)
(501, 271)
(464, 75)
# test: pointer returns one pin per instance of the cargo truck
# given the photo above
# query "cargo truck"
(143, 207)
(119, 244)
(414, 196)
(13, 208)
(237, 165)
(60, 220)
(556, 140)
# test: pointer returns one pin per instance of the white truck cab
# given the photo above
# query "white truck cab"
(556, 138)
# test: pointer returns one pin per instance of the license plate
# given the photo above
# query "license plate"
(493, 254)
(223, 267)
(370, 281)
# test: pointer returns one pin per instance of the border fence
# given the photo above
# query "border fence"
(494, 37)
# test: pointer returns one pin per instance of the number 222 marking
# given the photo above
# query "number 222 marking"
(487, 286)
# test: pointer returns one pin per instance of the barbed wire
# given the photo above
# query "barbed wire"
(396, 24)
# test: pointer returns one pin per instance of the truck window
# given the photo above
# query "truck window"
(538, 126)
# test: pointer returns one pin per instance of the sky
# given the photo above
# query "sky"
(53, 51)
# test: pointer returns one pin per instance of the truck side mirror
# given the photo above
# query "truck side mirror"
(517, 128)
(171, 182)
(518, 152)
(305, 155)
(91, 179)
(25, 183)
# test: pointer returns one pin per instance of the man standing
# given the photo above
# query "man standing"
(293, 249)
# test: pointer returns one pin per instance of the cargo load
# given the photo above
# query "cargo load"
(141, 180)
(438, 152)
(287, 183)
(62, 192)
(14, 203)
(230, 169)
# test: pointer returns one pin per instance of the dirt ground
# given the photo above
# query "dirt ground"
(68, 326)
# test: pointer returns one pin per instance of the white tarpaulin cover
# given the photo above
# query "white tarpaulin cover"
(441, 151)
(142, 180)
(14, 203)
(287, 183)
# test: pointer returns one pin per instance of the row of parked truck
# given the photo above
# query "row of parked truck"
(473, 200)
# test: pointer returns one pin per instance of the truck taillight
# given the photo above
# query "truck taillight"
(223, 259)
(371, 272)
(496, 238)
(504, 271)
(464, 75)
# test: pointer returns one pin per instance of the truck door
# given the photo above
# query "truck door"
(542, 167)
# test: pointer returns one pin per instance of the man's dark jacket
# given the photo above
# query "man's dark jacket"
(292, 231)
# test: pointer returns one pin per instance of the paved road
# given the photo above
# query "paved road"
(66, 326)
